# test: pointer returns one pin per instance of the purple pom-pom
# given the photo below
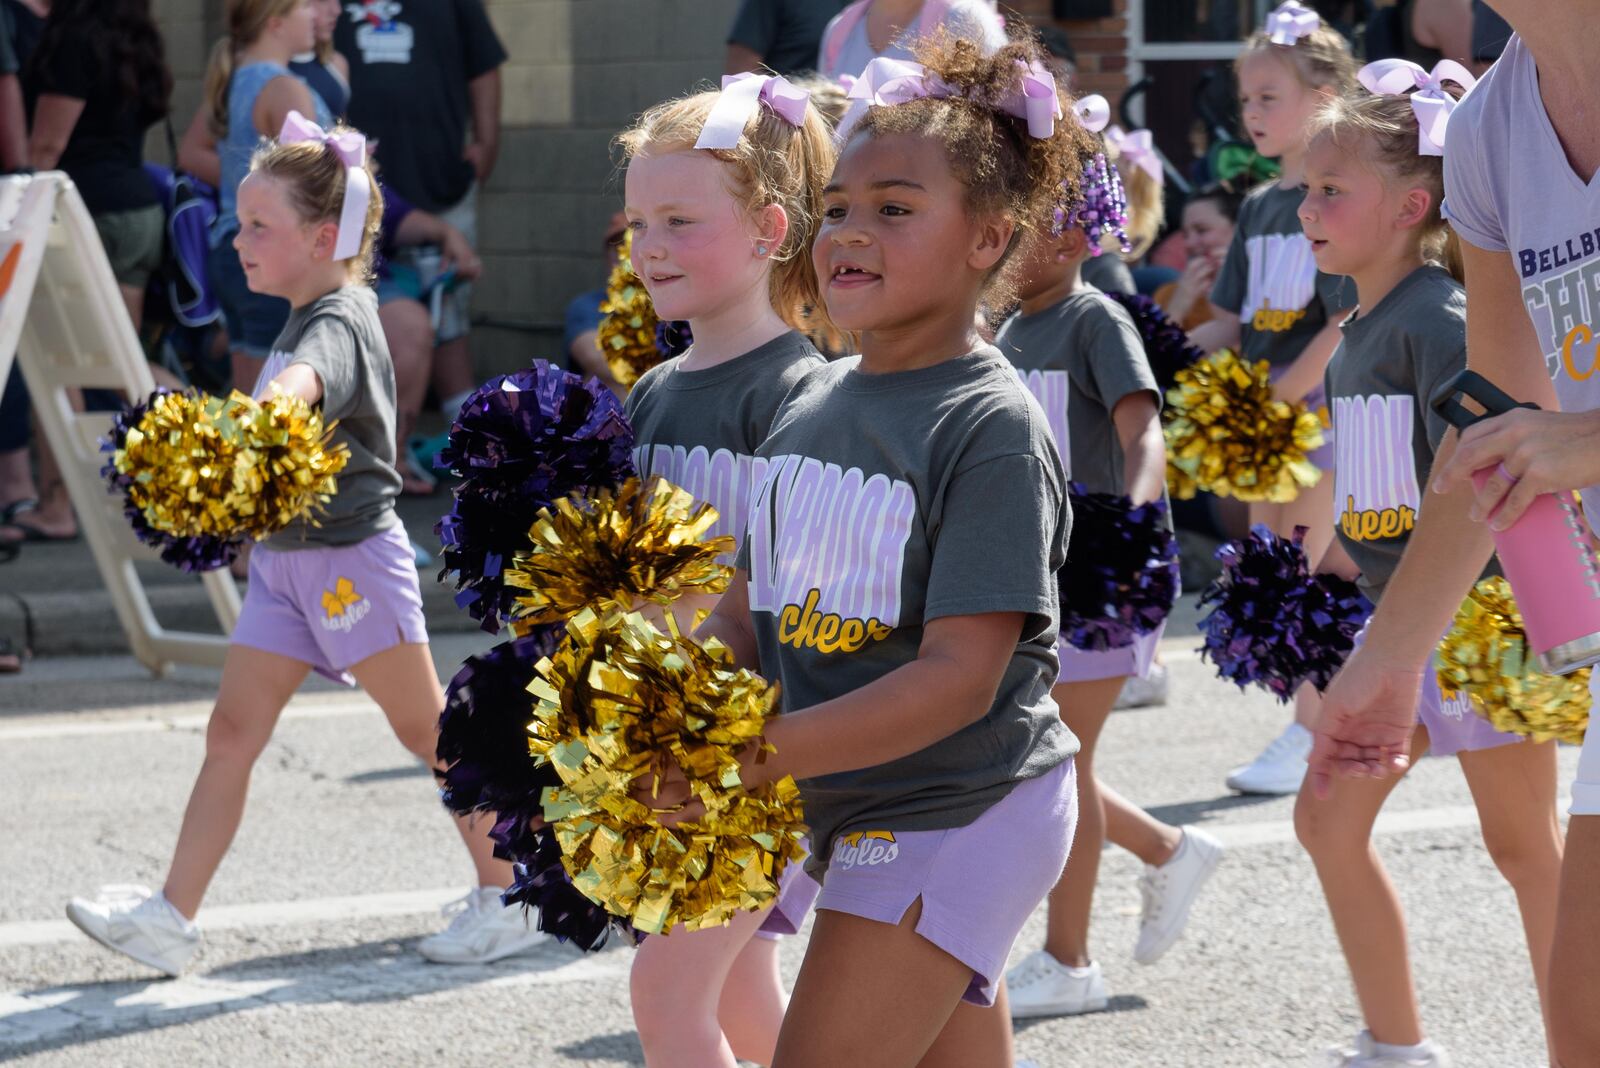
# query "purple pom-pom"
(194, 555)
(483, 732)
(1272, 622)
(1121, 575)
(525, 441)
(673, 338)
(541, 882)
(1166, 345)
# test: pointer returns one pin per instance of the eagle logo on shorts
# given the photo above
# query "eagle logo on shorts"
(341, 597)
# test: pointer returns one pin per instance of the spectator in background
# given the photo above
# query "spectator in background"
(868, 29)
(1208, 219)
(781, 35)
(422, 74)
(13, 117)
(97, 80)
(580, 339)
(1422, 31)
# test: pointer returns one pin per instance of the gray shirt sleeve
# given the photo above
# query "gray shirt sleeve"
(1227, 292)
(991, 551)
(1113, 364)
(328, 347)
(1437, 356)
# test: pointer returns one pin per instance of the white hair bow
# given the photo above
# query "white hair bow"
(1430, 101)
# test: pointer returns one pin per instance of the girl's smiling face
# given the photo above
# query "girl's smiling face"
(694, 245)
(897, 243)
(1274, 104)
(275, 245)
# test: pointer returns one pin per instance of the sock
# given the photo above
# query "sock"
(183, 920)
(1421, 1049)
(1079, 973)
(450, 406)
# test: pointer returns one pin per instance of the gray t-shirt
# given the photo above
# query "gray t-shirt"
(891, 501)
(1078, 358)
(339, 337)
(973, 19)
(1109, 274)
(1270, 279)
(1509, 188)
(699, 429)
(1392, 361)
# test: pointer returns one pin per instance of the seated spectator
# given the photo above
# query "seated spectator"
(868, 29)
(584, 315)
(780, 35)
(1208, 220)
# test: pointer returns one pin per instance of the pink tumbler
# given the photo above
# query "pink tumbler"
(1548, 555)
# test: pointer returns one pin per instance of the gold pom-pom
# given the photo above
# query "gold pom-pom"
(646, 542)
(228, 467)
(617, 704)
(1226, 433)
(627, 334)
(1486, 656)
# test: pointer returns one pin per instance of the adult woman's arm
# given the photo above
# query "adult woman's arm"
(54, 117)
(1369, 710)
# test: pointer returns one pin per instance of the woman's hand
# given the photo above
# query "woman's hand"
(456, 252)
(1193, 287)
(1530, 452)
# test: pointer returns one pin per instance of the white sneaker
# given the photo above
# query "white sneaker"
(1040, 985)
(1147, 692)
(1169, 891)
(481, 930)
(1279, 769)
(138, 924)
(1365, 1054)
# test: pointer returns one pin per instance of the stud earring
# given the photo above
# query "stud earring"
(761, 250)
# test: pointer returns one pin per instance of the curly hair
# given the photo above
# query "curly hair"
(1005, 171)
(773, 163)
(120, 37)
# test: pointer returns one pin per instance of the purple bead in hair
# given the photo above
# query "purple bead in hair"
(1104, 209)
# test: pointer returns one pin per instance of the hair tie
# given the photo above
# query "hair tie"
(1138, 147)
(1430, 102)
(350, 146)
(741, 97)
(1290, 21)
(887, 82)
(1092, 111)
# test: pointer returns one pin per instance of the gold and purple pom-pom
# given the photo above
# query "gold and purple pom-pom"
(1228, 435)
(1486, 657)
(232, 468)
(644, 543)
(1271, 622)
(1121, 576)
(192, 554)
(620, 703)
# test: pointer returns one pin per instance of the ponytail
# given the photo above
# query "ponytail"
(219, 72)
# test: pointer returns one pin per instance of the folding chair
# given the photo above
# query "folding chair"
(63, 317)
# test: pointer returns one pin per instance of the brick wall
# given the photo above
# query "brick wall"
(1101, 44)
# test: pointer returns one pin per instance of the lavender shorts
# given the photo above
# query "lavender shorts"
(797, 892)
(1083, 665)
(978, 883)
(334, 607)
(1453, 726)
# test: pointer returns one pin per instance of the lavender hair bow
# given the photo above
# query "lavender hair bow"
(887, 82)
(1290, 21)
(742, 95)
(1430, 102)
(351, 148)
(1139, 149)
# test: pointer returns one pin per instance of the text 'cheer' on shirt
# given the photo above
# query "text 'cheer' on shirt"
(890, 501)
(1078, 358)
(1509, 188)
(699, 430)
(1270, 279)
(1380, 383)
(339, 337)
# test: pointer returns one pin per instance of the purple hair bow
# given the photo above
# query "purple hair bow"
(1139, 149)
(351, 148)
(1290, 21)
(742, 95)
(886, 82)
(1430, 102)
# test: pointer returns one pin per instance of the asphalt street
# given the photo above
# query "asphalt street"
(345, 857)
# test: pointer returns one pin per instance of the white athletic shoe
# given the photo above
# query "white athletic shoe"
(1169, 891)
(1040, 985)
(1147, 692)
(1365, 1054)
(481, 930)
(1279, 769)
(138, 924)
